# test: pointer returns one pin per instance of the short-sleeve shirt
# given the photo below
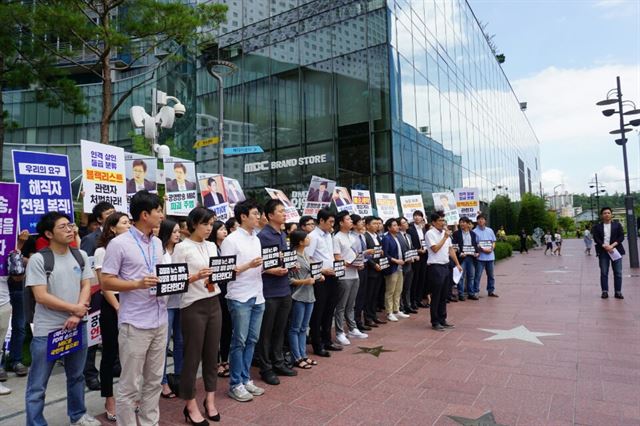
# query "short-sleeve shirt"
(344, 244)
(302, 293)
(196, 255)
(320, 248)
(64, 283)
(485, 235)
(274, 285)
(247, 284)
(433, 238)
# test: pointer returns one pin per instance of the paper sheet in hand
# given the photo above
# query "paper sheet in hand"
(615, 255)
(456, 275)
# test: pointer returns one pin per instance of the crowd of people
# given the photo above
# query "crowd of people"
(349, 269)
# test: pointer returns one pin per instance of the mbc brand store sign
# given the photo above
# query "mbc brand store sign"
(263, 166)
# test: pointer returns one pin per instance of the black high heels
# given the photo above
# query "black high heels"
(215, 418)
(187, 419)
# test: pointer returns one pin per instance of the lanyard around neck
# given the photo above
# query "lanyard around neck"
(150, 260)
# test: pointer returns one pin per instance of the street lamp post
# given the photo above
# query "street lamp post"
(632, 228)
(598, 189)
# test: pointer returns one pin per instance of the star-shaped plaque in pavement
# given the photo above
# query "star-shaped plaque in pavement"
(486, 419)
(375, 351)
(518, 333)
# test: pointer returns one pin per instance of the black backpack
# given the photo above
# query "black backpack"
(49, 263)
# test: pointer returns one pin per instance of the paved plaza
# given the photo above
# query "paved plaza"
(548, 351)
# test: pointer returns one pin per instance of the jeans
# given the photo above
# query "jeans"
(246, 319)
(604, 260)
(173, 329)
(39, 374)
(300, 316)
(468, 276)
(17, 327)
(481, 265)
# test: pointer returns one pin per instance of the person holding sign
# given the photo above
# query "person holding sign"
(486, 244)
(393, 274)
(303, 300)
(244, 299)
(62, 302)
(374, 273)
(417, 233)
(200, 316)
(130, 268)
(438, 272)
(467, 243)
(410, 256)
(277, 294)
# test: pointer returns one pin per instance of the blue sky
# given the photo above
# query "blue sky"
(562, 57)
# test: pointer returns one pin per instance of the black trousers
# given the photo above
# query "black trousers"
(523, 246)
(90, 370)
(109, 331)
(419, 282)
(322, 316)
(408, 272)
(439, 283)
(269, 353)
(361, 298)
(374, 280)
(225, 334)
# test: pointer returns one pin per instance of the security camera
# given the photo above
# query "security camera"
(138, 116)
(163, 151)
(165, 117)
(179, 109)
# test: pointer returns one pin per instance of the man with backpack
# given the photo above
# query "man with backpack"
(59, 278)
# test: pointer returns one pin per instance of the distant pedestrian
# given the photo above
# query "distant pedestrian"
(548, 241)
(523, 241)
(588, 242)
(608, 237)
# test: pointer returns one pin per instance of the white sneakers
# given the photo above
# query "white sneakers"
(87, 420)
(401, 314)
(392, 317)
(357, 334)
(253, 389)
(240, 394)
(4, 390)
(342, 339)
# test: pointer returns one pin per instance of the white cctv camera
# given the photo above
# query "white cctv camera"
(163, 151)
(138, 116)
(179, 109)
(165, 117)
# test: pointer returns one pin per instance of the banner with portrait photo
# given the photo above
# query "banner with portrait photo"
(387, 206)
(103, 176)
(362, 202)
(45, 186)
(290, 211)
(319, 195)
(180, 186)
(9, 193)
(343, 200)
(233, 191)
(446, 202)
(140, 171)
(409, 204)
(213, 195)
(468, 202)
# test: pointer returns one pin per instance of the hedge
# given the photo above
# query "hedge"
(514, 240)
(503, 250)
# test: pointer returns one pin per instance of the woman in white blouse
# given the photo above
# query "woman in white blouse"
(116, 224)
(200, 315)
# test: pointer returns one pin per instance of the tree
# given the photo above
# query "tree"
(567, 224)
(119, 34)
(23, 63)
(502, 212)
(532, 214)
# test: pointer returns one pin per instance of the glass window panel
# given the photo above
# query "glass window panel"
(379, 87)
(318, 102)
(352, 87)
(382, 152)
(286, 103)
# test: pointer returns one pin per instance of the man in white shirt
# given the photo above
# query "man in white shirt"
(440, 250)
(244, 299)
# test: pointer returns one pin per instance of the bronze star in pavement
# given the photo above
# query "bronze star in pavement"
(486, 419)
(375, 351)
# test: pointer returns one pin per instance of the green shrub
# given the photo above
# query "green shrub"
(514, 241)
(503, 250)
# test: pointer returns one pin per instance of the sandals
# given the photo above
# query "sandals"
(224, 372)
(110, 417)
(311, 361)
(303, 364)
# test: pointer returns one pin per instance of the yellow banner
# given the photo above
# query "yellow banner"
(206, 142)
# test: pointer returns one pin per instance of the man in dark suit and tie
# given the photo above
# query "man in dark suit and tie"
(608, 237)
(213, 198)
(180, 183)
(418, 286)
(139, 181)
(374, 273)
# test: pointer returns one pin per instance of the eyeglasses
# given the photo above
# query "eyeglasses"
(66, 226)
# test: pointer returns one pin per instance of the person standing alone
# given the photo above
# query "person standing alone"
(608, 236)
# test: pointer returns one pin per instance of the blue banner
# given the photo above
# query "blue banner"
(243, 150)
(63, 342)
(45, 186)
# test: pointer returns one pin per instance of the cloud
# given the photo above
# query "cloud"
(574, 135)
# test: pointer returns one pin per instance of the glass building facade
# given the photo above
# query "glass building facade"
(399, 96)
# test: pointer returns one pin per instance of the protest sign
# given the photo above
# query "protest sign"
(342, 200)
(63, 342)
(45, 186)
(103, 176)
(94, 333)
(410, 254)
(386, 205)
(173, 278)
(468, 249)
(339, 268)
(290, 259)
(180, 186)
(316, 270)
(318, 196)
(362, 202)
(358, 261)
(9, 193)
(468, 202)
(213, 195)
(141, 172)
(290, 212)
(409, 204)
(383, 262)
(486, 244)
(234, 191)
(446, 202)
(223, 269)
(270, 257)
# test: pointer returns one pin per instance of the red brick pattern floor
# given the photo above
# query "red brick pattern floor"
(590, 374)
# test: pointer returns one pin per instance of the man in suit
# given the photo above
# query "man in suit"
(467, 251)
(341, 199)
(213, 198)
(374, 273)
(139, 181)
(418, 286)
(180, 183)
(321, 194)
(101, 211)
(408, 268)
(608, 237)
(393, 274)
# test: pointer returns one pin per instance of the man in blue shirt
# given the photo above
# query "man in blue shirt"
(486, 246)
(277, 295)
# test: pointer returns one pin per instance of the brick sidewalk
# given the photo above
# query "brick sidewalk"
(587, 374)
